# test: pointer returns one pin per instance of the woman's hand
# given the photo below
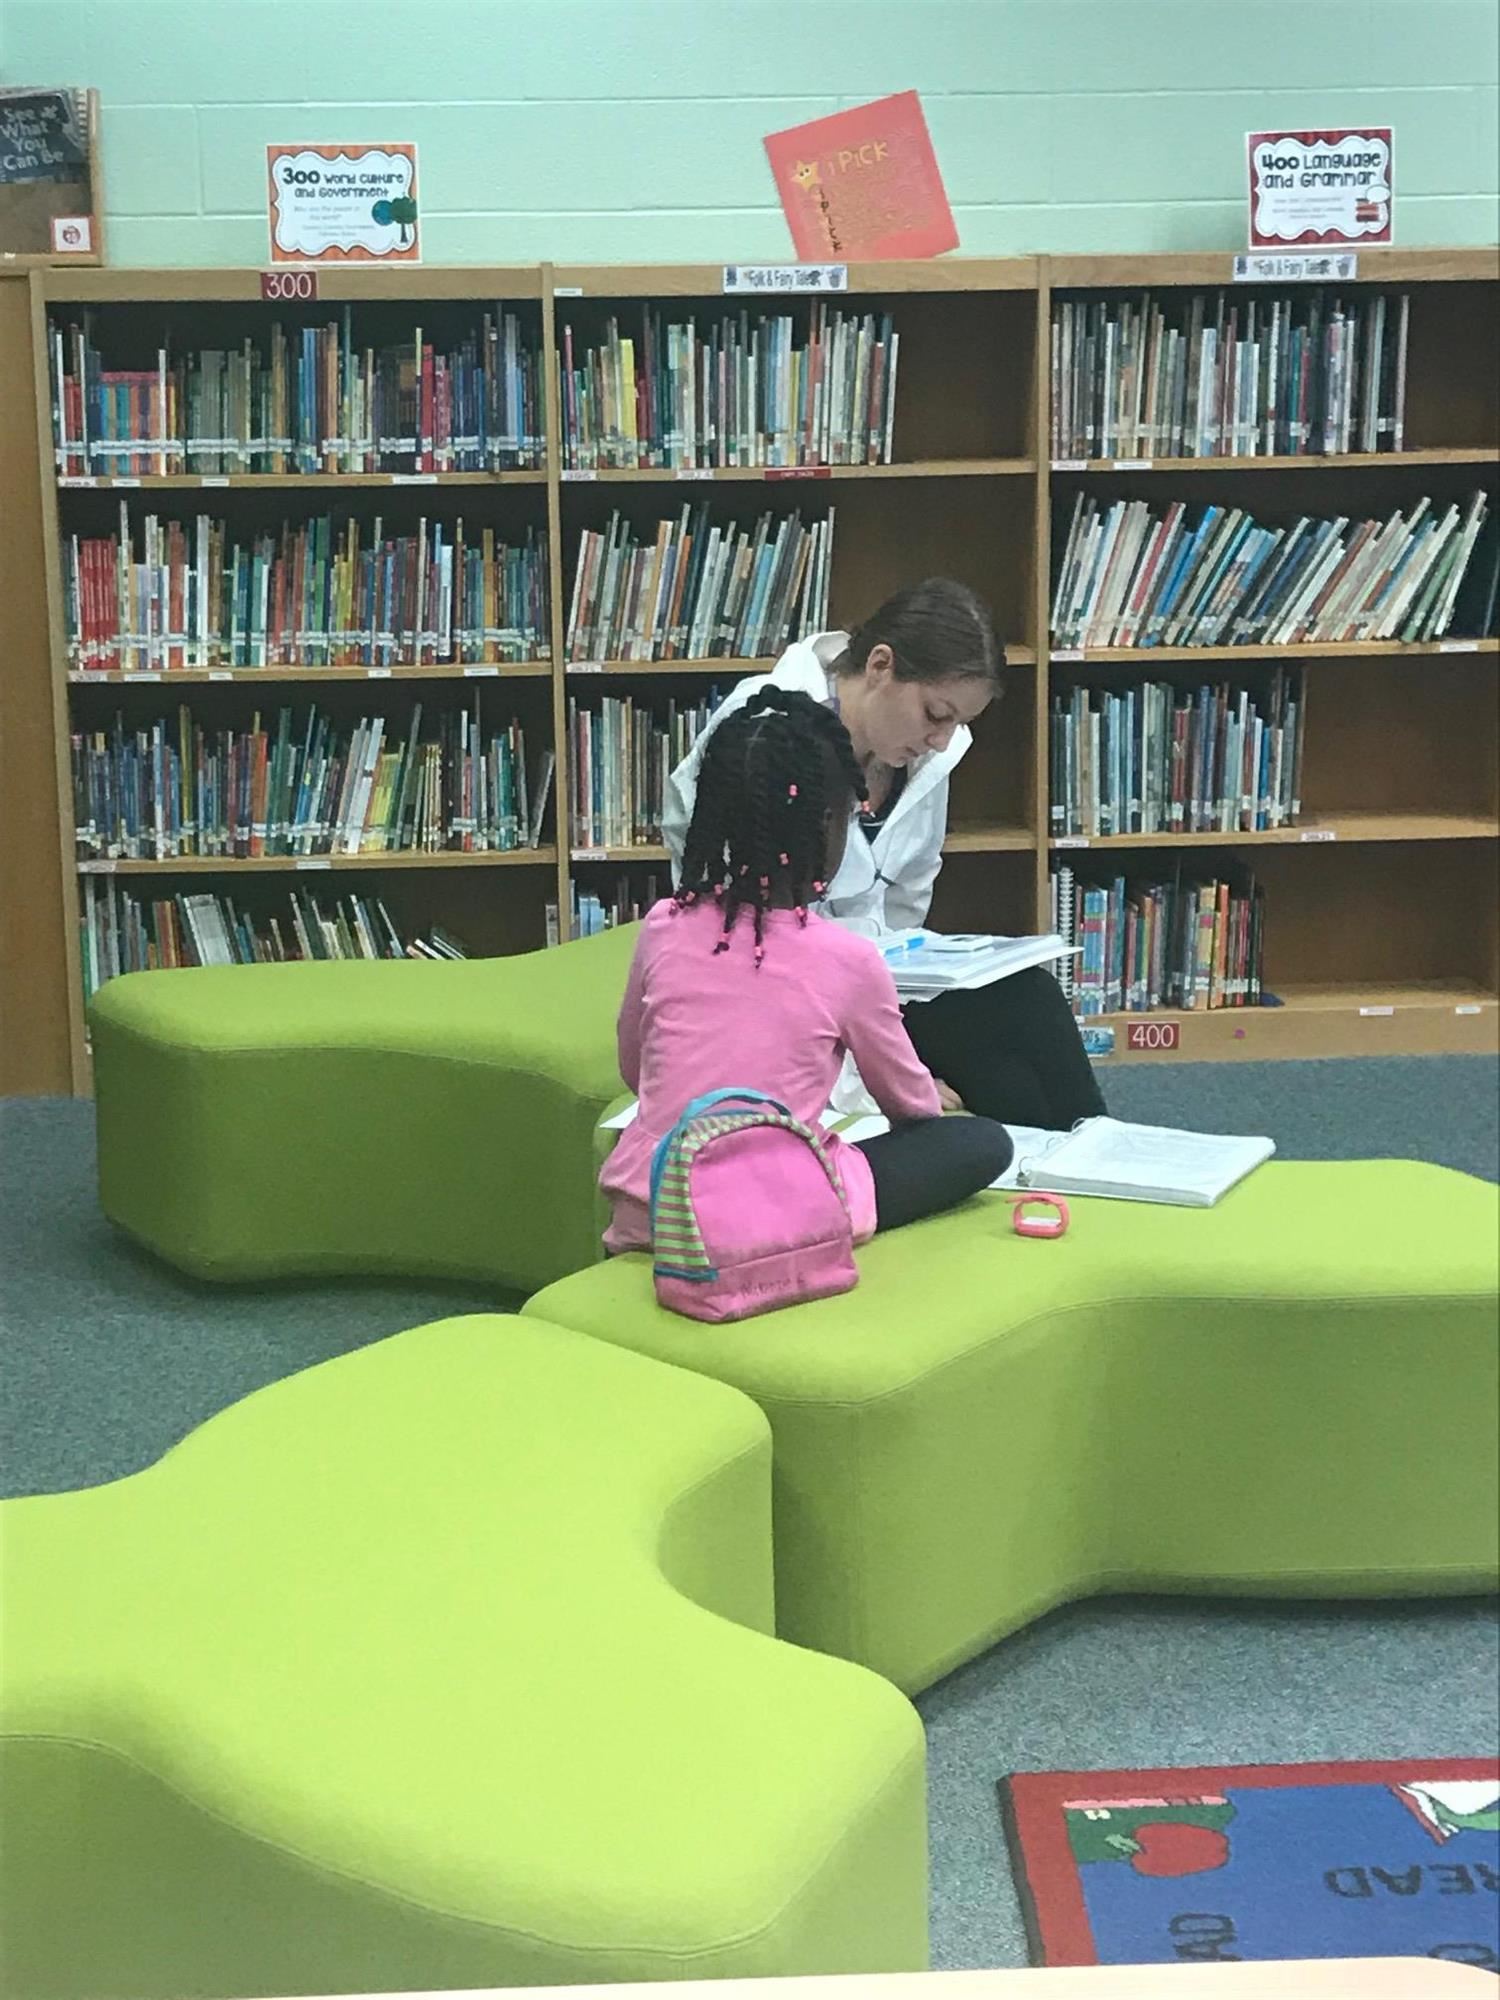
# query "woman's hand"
(948, 1097)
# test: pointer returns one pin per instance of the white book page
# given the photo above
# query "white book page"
(1109, 1156)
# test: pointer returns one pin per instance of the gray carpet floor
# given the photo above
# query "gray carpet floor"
(107, 1358)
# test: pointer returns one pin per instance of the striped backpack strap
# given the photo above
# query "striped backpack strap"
(676, 1237)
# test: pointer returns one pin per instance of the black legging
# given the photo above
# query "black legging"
(1012, 1051)
(933, 1164)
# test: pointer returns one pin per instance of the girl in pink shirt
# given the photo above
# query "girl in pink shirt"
(737, 983)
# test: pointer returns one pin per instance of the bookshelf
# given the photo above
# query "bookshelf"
(1381, 931)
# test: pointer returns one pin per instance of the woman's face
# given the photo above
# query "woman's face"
(899, 721)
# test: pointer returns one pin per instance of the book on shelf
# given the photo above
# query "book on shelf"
(699, 589)
(1476, 610)
(1119, 1162)
(122, 931)
(626, 903)
(1187, 941)
(301, 400)
(1225, 376)
(303, 785)
(620, 756)
(1133, 575)
(161, 595)
(1154, 758)
(742, 389)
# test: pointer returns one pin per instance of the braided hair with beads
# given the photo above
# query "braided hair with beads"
(772, 775)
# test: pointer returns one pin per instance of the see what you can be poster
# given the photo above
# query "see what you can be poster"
(343, 204)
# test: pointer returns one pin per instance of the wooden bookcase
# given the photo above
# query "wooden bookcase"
(1382, 931)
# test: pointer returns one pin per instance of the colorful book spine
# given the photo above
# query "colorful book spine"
(1155, 758)
(161, 595)
(628, 900)
(173, 789)
(306, 400)
(1184, 943)
(740, 390)
(620, 755)
(698, 588)
(1214, 376)
(122, 931)
(1130, 575)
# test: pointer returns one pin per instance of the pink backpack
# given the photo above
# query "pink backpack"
(748, 1212)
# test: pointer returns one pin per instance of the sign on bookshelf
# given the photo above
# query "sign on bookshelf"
(299, 285)
(343, 204)
(786, 277)
(1154, 1036)
(1297, 267)
(1320, 187)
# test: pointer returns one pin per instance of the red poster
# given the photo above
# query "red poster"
(863, 184)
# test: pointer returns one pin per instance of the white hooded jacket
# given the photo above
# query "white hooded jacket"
(882, 884)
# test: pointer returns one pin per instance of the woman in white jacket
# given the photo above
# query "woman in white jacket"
(906, 685)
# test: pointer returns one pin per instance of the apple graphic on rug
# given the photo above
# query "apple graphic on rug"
(1176, 1847)
(1158, 1837)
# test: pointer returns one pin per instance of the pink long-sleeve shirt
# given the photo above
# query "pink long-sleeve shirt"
(694, 1021)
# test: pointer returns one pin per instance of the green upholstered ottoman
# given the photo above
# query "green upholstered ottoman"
(442, 1664)
(1292, 1393)
(265, 1121)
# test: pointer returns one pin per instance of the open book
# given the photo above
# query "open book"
(927, 963)
(1103, 1156)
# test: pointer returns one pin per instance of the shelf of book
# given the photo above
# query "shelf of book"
(964, 839)
(1400, 736)
(314, 864)
(1421, 1018)
(518, 670)
(317, 482)
(1311, 651)
(1309, 831)
(643, 851)
(1210, 270)
(773, 475)
(732, 670)
(1015, 656)
(1350, 461)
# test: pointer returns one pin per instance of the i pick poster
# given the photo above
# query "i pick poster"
(1320, 187)
(863, 184)
(343, 204)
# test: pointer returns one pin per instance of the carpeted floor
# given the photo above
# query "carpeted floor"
(106, 1359)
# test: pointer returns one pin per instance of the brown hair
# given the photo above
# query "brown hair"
(936, 630)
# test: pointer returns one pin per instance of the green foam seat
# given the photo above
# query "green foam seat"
(446, 1663)
(1292, 1393)
(398, 1117)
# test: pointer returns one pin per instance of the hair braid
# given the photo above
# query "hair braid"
(771, 775)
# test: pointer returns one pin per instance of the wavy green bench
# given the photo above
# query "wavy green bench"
(1291, 1394)
(442, 1664)
(410, 1117)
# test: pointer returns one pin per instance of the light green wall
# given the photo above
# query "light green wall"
(631, 129)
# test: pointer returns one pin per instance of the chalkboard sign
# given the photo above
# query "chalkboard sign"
(48, 174)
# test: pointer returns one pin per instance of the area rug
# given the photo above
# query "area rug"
(1253, 1861)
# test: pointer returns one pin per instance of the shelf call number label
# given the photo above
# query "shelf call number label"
(294, 286)
(1153, 1036)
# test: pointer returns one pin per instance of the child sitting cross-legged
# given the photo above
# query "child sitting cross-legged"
(738, 983)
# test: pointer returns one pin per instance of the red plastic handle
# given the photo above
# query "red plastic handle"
(1039, 1225)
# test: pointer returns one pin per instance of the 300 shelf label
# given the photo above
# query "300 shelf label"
(290, 285)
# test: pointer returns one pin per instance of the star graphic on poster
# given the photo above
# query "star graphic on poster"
(806, 174)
